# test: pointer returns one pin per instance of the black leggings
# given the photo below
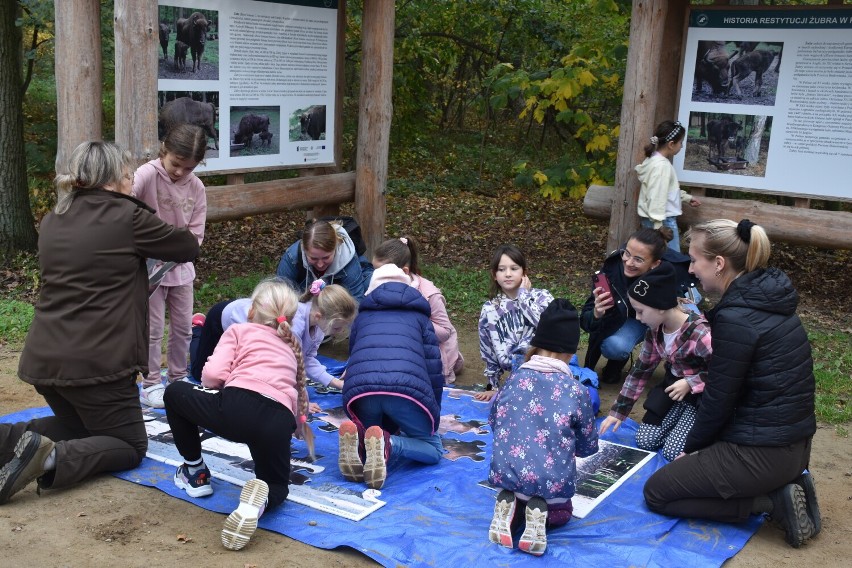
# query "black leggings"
(211, 333)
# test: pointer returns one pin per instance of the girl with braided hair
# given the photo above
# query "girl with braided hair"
(660, 195)
(256, 370)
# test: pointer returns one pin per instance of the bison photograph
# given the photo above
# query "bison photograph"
(191, 36)
(198, 108)
(255, 130)
(308, 124)
(737, 72)
(735, 144)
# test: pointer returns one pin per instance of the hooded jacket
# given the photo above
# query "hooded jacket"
(91, 318)
(659, 188)
(616, 316)
(182, 203)
(351, 271)
(393, 350)
(760, 382)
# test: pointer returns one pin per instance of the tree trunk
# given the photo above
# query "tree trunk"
(17, 230)
(752, 150)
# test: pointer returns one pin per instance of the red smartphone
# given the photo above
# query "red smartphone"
(600, 280)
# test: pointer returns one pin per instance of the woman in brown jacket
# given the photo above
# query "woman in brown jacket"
(89, 337)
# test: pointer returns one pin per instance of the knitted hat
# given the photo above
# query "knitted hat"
(388, 273)
(558, 328)
(656, 288)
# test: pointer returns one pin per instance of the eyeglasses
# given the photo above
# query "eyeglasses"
(637, 260)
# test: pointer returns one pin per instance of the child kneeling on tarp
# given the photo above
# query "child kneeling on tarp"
(542, 418)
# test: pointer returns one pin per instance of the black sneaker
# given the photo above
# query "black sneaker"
(806, 482)
(611, 373)
(790, 510)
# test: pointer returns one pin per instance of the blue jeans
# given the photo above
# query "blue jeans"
(671, 223)
(620, 344)
(415, 440)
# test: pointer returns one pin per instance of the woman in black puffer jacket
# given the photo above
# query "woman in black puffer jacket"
(754, 427)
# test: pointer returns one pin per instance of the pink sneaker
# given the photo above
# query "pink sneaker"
(198, 319)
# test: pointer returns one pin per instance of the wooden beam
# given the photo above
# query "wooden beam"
(237, 201)
(810, 227)
(638, 112)
(326, 210)
(78, 73)
(374, 119)
(136, 62)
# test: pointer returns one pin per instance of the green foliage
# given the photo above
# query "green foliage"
(15, 319)
(579, 98)
(214, 290)
(833, 373)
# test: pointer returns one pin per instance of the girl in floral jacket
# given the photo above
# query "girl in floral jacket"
(541, 419)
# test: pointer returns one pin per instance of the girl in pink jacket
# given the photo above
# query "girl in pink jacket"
(403, 252)
(256, 376)
(168, 185)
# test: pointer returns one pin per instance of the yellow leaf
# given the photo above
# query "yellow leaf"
(540, 178)
(598, 142)
(586, 78)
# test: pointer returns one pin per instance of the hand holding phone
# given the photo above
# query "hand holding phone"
(602, 292)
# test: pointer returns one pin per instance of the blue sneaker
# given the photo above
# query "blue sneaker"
(197, 485)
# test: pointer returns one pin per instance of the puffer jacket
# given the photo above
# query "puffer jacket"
(760, 383)
(393, 350)
(614, 318)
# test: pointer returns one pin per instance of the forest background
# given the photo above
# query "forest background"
(504, 112)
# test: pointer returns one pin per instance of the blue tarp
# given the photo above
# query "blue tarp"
(439, 516)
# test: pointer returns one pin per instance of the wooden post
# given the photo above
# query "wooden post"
(78, 84)
(136, 62)
(374, 119)
(638, 112)
(670, 60)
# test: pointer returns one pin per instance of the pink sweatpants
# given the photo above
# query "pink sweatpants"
(178, 299)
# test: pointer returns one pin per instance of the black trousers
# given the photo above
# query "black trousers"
(96, 428)
(211, 333)
(240, 415)
(721, 481)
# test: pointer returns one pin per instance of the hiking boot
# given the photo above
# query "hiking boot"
(534, 539)
(242, 522)
(611, 373)
(195, 484)
(349, 449)
(790, 510)
(806, 482)
(27, 465)
(500, 531)
(153, 396)
(377, 445)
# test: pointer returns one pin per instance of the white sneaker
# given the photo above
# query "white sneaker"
(242, 522)
(153, 396)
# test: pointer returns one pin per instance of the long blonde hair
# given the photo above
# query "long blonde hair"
(745, 245)
(334, 302)
(274, 303)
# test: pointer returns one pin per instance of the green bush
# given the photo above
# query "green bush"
(15, 320)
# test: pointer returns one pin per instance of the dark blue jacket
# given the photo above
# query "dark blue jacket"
(393, 350)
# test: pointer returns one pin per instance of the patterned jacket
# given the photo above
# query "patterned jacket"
(692, 351)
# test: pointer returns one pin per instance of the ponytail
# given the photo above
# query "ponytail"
(303, 430)
(745, 245)
(403, 251)
(667, 131)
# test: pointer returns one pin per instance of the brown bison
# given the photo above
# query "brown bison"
(711, 67)
(757, 62)
(251, 124)
(164, 40)
(719, 134)
(193, 32)
(265, 138)
(313, 122)
(180, 55)
(186, 110)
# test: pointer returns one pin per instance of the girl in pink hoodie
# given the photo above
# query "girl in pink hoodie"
(403, 252)
(168, 185)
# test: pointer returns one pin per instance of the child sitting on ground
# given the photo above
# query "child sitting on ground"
(403, 252)
(508, 320)
(542, 418)
(683, 341)
(255, 376)
(393, 383)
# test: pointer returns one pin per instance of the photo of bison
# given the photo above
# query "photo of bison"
(736, 144)
(195, 34)
(737, 72)
(254, 130)
(308, 124)
(186, 109)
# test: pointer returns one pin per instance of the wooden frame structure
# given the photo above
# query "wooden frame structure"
(136, 43)
(651, 96)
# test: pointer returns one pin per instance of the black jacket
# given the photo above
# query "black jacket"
(614, 318)
(760, 383)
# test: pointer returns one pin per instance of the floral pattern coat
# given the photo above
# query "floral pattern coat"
(541, 419)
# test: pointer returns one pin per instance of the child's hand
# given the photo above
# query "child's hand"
(694, 202)
(525, 282)
(603, 302)
(609, 421)
(485, 396)
(336, 384)
(314, 407)
(678, 390)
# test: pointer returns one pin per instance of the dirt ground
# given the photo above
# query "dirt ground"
(110, 522)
